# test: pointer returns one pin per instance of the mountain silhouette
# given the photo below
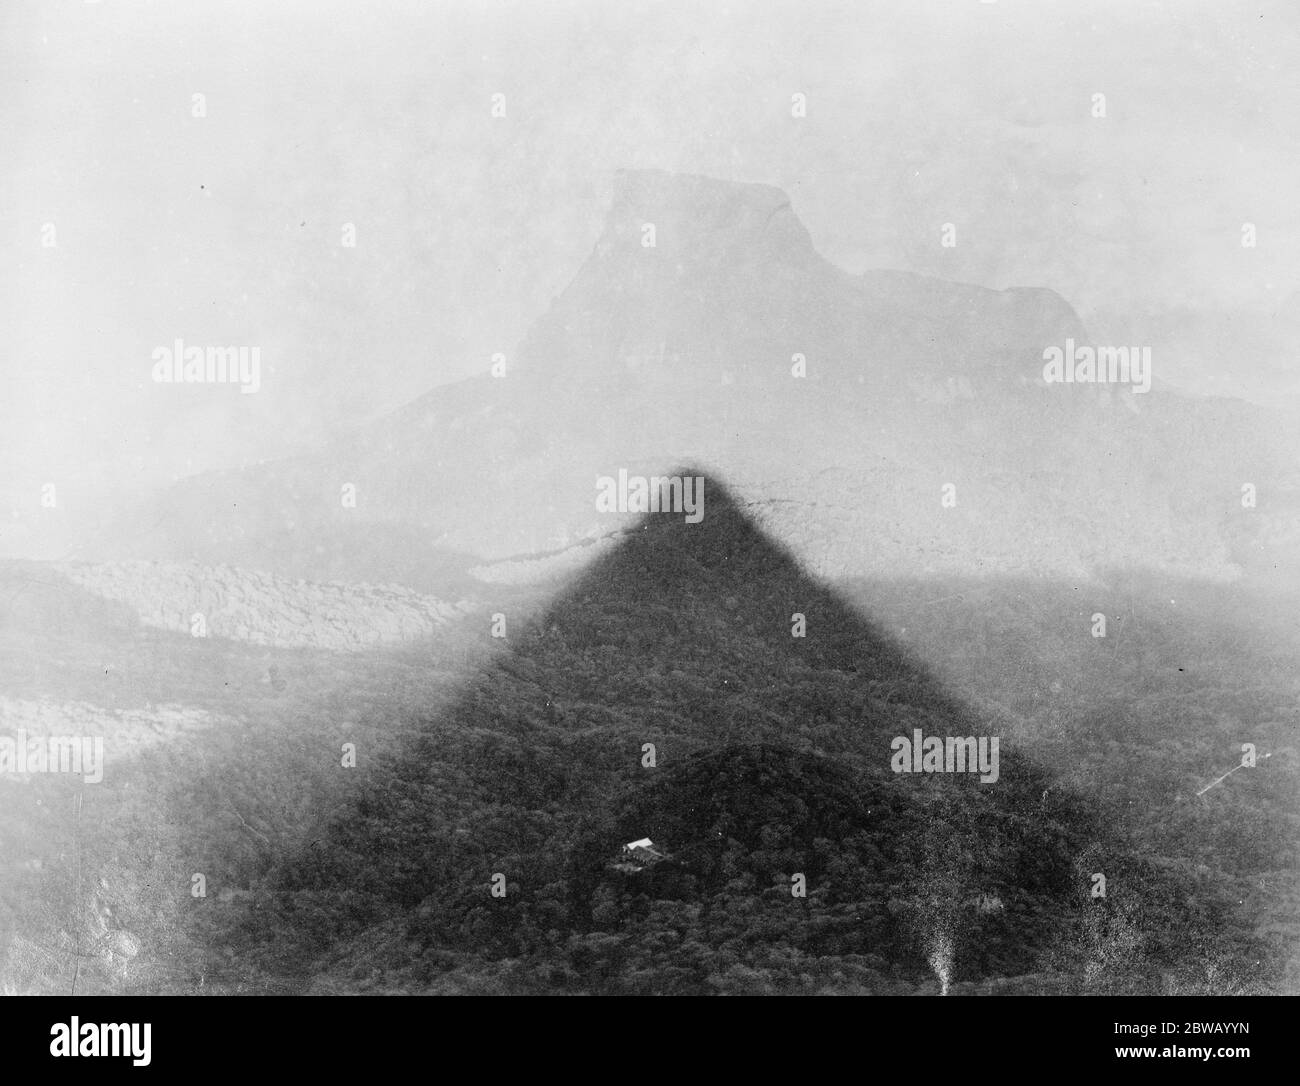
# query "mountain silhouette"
(732, 286)
(843, 403)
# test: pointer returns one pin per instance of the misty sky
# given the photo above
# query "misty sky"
(226, 229)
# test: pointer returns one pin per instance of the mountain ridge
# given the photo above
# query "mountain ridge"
(690, 350)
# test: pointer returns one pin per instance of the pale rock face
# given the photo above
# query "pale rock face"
(262, 609)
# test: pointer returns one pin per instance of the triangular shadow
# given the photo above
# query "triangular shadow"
(663, 694)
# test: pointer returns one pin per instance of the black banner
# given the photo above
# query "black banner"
(157, 1036)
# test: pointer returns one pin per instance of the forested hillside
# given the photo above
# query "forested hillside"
(771, 759)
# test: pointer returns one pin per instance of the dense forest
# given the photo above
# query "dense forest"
(770, 761)
(477, 844)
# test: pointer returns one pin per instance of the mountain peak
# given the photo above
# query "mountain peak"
(696, 216)
(664, 186)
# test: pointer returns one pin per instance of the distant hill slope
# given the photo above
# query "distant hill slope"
(262, 609)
